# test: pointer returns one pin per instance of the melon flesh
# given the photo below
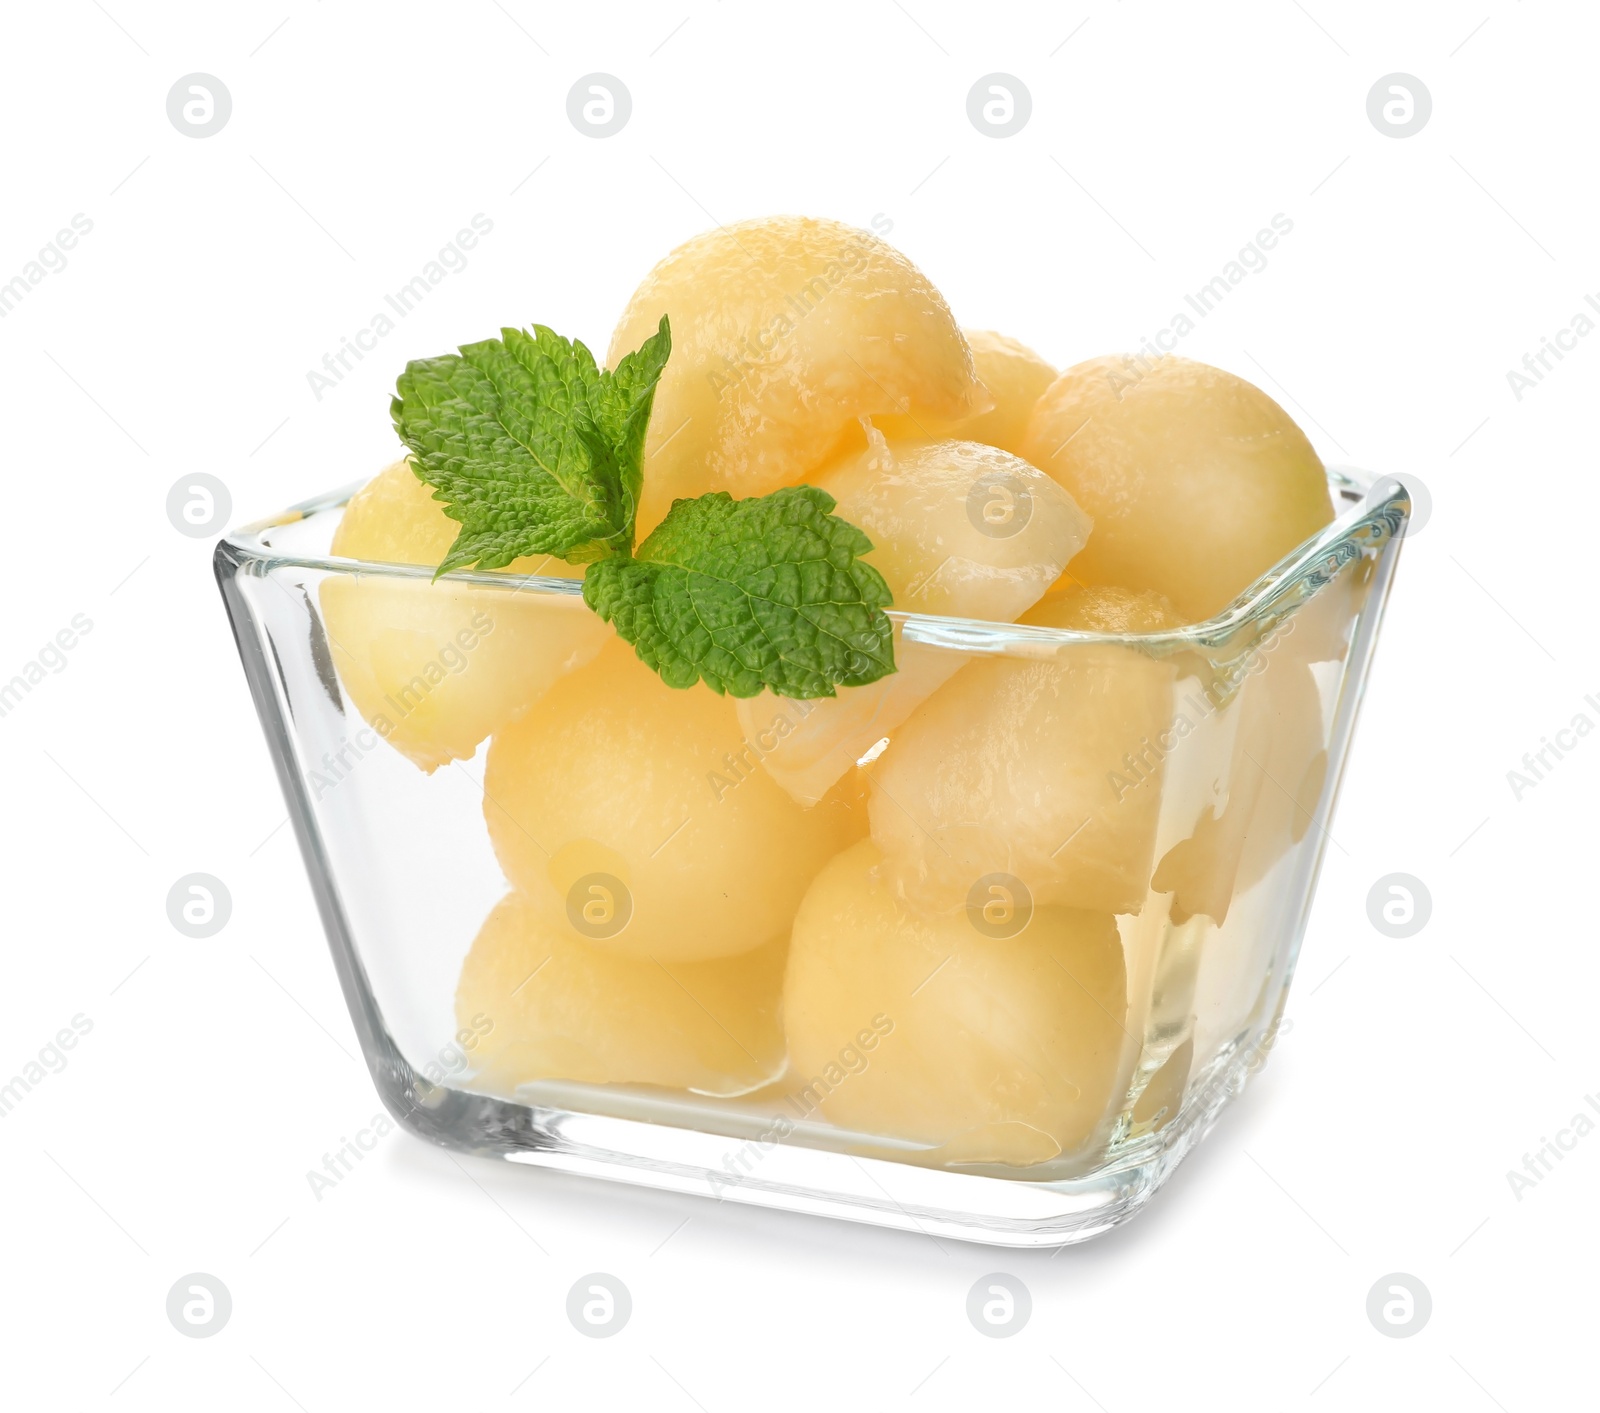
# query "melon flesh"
(548, 1005)
(1196, 480)
(435, 668)
(958, 529)
(918, 1026)
(1043, 769)
(618, 783)
(785, 331)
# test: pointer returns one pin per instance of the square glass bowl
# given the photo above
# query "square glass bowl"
(1056, 938)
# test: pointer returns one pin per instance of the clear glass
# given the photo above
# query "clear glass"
(1099, 1000)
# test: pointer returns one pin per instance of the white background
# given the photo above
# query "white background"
(177, 340)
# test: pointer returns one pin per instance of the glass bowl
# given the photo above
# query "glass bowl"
(1098, 1001)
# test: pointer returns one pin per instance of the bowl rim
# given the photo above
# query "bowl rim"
(1376, 510)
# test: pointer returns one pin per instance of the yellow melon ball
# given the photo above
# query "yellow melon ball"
(1319, 629)
(1197, 481)
(996, 1037)
(1273, 784)
(1047, 770)
(1016, 378)
(1104, 610)
(551, 1006)
(395, 519)
(436, 668)
(785, 330)
(958, 529)
(807, 745)
(639, 813)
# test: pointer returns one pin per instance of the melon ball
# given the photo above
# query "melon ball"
(436, 668)
(638, 812)
(1162, 1099)
(395, 519)
(1015, 376)
(1319, 629)
(1104, 610)
(552, 1006)
(958, 529)
(1047, 769)
(995, 1038)
(786, 330)
(1197, 481)
(807, 746)
(1273, 785)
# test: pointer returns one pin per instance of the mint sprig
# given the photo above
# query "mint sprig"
(746, 594)
(530, 445)
(535, 449)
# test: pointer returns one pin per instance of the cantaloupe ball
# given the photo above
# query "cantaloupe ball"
(395, 518)
(1047, 769)
(559, 1007)
(1197, 482)
(807, 746)
(1104, 610)
(436, 668)
(1319, 630)
(905, 1024)
(958, 529)
(1269, 793)
(1274, 782)
(639, 813)
(786, 330)
(1015, 376)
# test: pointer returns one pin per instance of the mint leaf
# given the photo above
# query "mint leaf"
(535, 449)
(746, 594)
(530, 445)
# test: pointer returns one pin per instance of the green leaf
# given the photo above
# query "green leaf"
(745, 594)
(530, 445)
